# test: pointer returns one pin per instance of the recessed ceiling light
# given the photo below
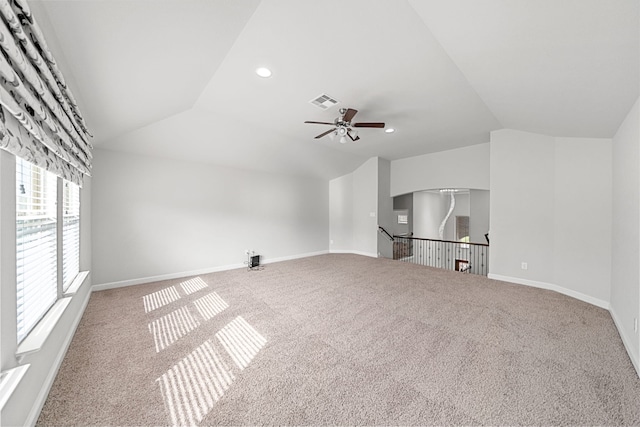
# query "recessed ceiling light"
(390, 130)
(263, 72)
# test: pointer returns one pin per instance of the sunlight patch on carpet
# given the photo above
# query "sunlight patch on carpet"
(210, 305)
(241, 341)
(193, 285)
(192, 386)
(160, 298)
(170, 328)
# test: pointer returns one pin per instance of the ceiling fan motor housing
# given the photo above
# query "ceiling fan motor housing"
(343, 126)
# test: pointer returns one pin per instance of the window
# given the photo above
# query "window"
(36, 239)
(462, 229)
(70, 233)
(46, 263)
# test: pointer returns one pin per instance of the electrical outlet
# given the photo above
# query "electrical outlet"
(524, 266)
(635, 325)
(331, 241)
(372, 214)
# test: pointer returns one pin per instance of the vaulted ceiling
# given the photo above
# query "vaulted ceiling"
(176, 78)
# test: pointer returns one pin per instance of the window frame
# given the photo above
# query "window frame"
(70, 210)
(36, 245)
(63, 288)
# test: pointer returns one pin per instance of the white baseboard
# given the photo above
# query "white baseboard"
(628, 345)
(340, 251)
(32, 418)
(289, 258)
(170, 276)
(543, 285)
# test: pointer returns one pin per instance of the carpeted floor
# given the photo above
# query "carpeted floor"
(343, 339)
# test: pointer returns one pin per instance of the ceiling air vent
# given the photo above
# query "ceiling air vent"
(324, 101)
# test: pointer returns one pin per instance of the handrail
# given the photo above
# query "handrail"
(444, 241)
(381, 228)
(446, 254)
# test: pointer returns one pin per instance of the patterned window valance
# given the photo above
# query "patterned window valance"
(39, 118)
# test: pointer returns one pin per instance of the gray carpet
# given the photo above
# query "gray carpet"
(343, 339)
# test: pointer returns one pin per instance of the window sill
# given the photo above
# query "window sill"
(9, 381)
(38, 335)
(75, 285)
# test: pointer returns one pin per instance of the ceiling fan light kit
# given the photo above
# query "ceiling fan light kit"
(344, 128)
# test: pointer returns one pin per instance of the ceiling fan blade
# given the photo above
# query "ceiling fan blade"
(325, 133)
(348, 116)
(368, 125)
(320, 123)
(352, 138)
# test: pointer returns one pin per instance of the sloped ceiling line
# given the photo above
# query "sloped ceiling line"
(443, 73)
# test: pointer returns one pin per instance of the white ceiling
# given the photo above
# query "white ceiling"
(175, 78)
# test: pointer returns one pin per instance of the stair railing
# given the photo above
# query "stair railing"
(385, 232)
(449, 255)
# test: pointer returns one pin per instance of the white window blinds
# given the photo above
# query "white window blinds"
(36, 240)
(70, 233)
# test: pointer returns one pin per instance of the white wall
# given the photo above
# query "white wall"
(356, 224)
(547, 195)
(428, 211)
(341, 213)
(461, 208)
(625, 274)
(479, 208)
(365, 203)
(403, 203)
(156, 217)
(8, 309)
(385, 208)
(582, 217)
(522, 170)
(466, 167)
(25, 403)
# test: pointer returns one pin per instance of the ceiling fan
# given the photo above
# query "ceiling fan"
(343, 126)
